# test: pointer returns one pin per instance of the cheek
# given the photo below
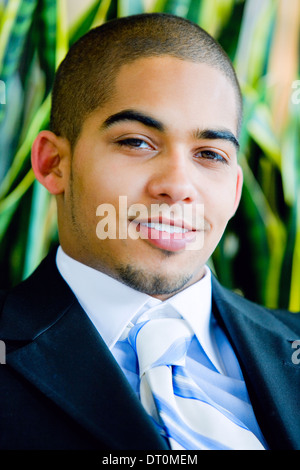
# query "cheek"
(219, 203)
(113, 191)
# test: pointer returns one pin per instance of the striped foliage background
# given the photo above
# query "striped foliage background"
(260, 253)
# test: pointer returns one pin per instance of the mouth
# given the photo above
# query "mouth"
(165, 234)
(165, 227)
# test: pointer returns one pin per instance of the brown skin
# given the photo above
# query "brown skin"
(169, 165)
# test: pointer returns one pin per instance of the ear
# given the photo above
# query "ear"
(238, 191)
(50, 158)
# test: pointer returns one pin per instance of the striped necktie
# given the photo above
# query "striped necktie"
(182, 411)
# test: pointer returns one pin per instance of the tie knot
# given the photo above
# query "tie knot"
(160, 342)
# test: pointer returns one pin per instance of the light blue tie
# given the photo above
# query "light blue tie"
(183, 411)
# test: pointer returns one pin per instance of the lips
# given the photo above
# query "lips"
(166, 234)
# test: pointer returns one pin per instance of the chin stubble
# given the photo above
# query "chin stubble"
(149, 283)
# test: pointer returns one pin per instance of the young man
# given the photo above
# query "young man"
(142, 158)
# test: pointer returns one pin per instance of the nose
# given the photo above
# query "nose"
(172, 179)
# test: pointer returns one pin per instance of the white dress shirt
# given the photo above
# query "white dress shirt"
(111, 305)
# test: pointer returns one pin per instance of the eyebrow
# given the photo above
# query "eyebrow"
(199, 134)
(132, 115)
(217, 134)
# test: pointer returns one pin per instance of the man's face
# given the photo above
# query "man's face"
(166, 136)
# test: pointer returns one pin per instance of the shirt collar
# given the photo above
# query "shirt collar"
(111, 305)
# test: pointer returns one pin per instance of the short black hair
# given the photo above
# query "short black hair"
(84, 80)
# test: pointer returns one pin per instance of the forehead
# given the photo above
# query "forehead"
(182, 94)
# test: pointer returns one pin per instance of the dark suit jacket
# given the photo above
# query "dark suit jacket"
(61, 388)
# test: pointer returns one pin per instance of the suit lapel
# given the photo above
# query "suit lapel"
(68, 361)
(262, 343)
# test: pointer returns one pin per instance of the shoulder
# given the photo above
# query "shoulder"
(227, 299)
(29, 307)
(3, 297)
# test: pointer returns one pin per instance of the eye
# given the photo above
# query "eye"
(135, 143)
(211, 155)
